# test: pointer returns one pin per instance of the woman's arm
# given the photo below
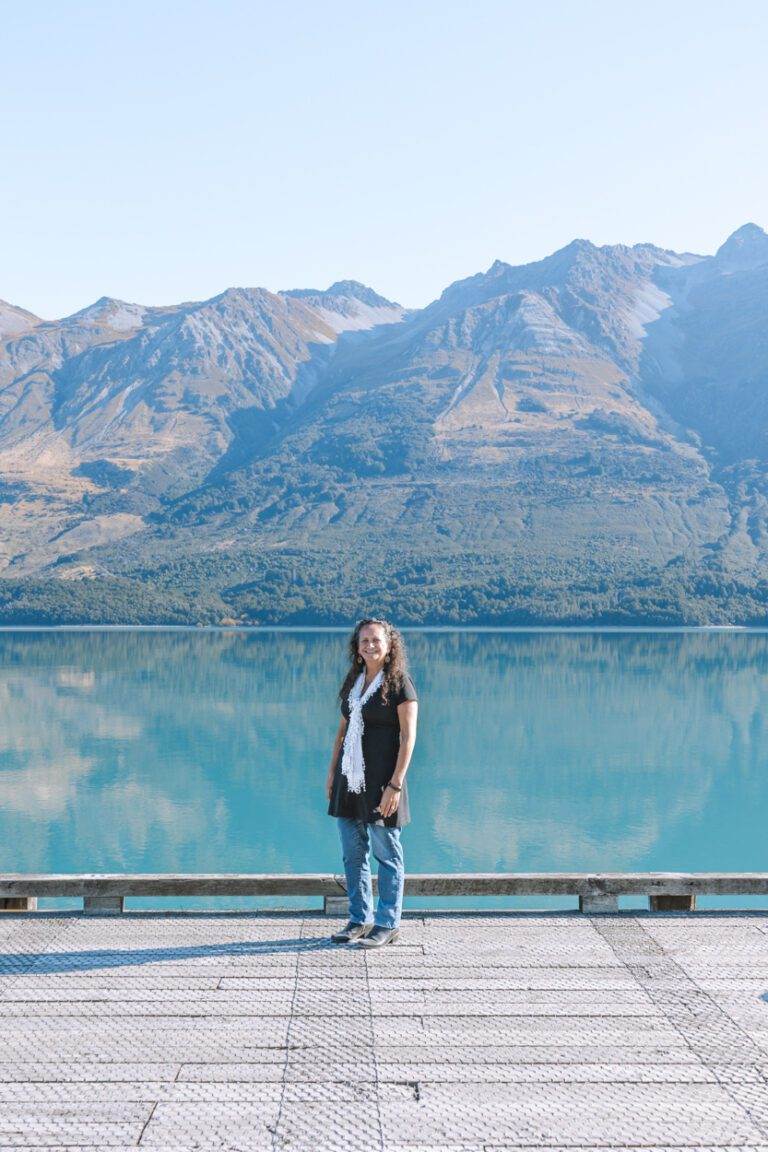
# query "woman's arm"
(407, 714)
(336, 749)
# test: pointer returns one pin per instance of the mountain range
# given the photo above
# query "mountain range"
(579, 439)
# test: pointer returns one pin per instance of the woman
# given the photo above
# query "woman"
(366, 779)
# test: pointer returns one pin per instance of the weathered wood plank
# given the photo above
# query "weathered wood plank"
(598, 902)
(97, 904)
(588, 884)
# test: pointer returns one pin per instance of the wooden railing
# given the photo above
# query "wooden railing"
(596, 891)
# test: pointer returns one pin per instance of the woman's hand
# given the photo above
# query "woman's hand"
(329, 785)
(390, 802)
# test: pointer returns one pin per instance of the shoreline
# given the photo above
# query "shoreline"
(756, 629)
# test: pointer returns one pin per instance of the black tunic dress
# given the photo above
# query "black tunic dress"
(381, 745)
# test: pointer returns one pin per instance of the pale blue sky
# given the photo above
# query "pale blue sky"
(163, 150)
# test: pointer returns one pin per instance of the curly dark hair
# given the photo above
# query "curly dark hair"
(395, 664)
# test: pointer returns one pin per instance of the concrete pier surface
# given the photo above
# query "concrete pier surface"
(472, 1033)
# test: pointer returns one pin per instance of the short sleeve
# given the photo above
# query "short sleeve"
(406, 692)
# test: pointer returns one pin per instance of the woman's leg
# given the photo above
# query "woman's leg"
(389, 852)
(354, 849)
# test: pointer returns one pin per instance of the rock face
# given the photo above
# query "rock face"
(14, 321)
(599, 415)
(155, 396)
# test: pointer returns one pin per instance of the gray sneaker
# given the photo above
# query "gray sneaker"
(378, 937)
(352, 932)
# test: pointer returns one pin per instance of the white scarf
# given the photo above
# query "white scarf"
(352, 762)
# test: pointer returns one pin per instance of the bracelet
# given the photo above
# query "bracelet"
(394, 787)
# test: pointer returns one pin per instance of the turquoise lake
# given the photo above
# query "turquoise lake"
(206, 751)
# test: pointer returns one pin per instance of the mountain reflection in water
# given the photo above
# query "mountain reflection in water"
(207, 751)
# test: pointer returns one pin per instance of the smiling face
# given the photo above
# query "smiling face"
(372, 644)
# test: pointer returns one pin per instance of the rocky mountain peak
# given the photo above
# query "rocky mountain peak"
(577, 247)
(556, 263)
(239, 297)
(348, 306)
(745, 248)
(107, 312)
(14, 321)
(354, 290)
(343, 290)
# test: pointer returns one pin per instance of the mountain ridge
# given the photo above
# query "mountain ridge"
(599, 410)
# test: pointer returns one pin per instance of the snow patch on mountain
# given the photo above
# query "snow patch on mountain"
(649, 301)
(358, 317)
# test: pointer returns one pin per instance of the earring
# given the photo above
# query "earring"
(386, 659)
(359, 659)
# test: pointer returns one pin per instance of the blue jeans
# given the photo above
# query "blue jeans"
(357, 838)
